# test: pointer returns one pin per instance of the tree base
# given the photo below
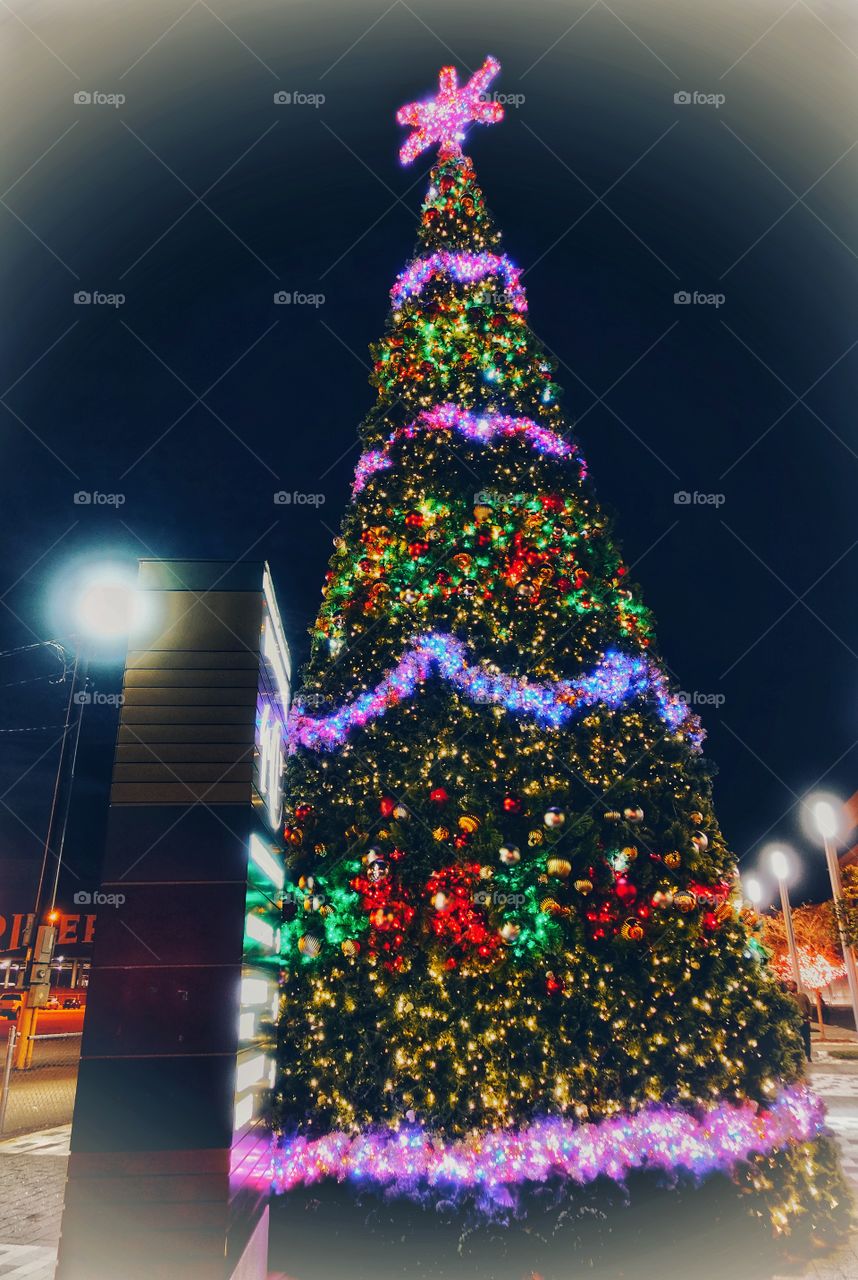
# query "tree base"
(788, 1205)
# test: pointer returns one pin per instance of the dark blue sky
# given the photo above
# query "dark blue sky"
(199, 197)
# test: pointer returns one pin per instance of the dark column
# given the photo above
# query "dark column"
(166, 1178)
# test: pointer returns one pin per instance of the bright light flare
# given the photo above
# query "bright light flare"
(823, 816)
(753, 890)
(779, 863)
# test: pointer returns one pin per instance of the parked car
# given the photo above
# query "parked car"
(10, 1005)
(72, 1002)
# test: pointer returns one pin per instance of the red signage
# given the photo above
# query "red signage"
(73, 930)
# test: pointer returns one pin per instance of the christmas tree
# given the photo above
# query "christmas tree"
(515, 948)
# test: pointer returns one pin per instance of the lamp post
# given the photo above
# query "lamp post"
(780, 865)
(827, 819)
(104, 605)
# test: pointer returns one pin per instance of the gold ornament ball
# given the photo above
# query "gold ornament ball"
(696, 817)
(350, 947)
(632, 930)
(584, 886)
(469, 823)
(534, 838)
(685, 901)
(613, 815)
(441, 833)
(629, 852)
(673, 860)
(559, 867)
(309, 944)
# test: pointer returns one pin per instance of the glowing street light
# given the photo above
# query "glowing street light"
(753, 890)
(779, 862)
(106, 603)
(103, 606)
(827, 823)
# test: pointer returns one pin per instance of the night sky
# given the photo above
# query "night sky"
(197, 398)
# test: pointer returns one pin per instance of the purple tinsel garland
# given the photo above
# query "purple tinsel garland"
(616, 680)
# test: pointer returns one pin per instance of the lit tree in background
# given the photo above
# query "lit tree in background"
(820, 959)
(850, 904)
(513, 911)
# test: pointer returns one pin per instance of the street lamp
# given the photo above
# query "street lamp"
(826, 821)
(105, 607)
(753, 890)
(780, 865)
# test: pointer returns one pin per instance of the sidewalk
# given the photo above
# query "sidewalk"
(32, 1179)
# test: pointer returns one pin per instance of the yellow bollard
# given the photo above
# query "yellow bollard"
(26, 1030)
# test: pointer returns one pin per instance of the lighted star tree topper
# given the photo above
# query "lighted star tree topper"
(514, 946)
(444, 119)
